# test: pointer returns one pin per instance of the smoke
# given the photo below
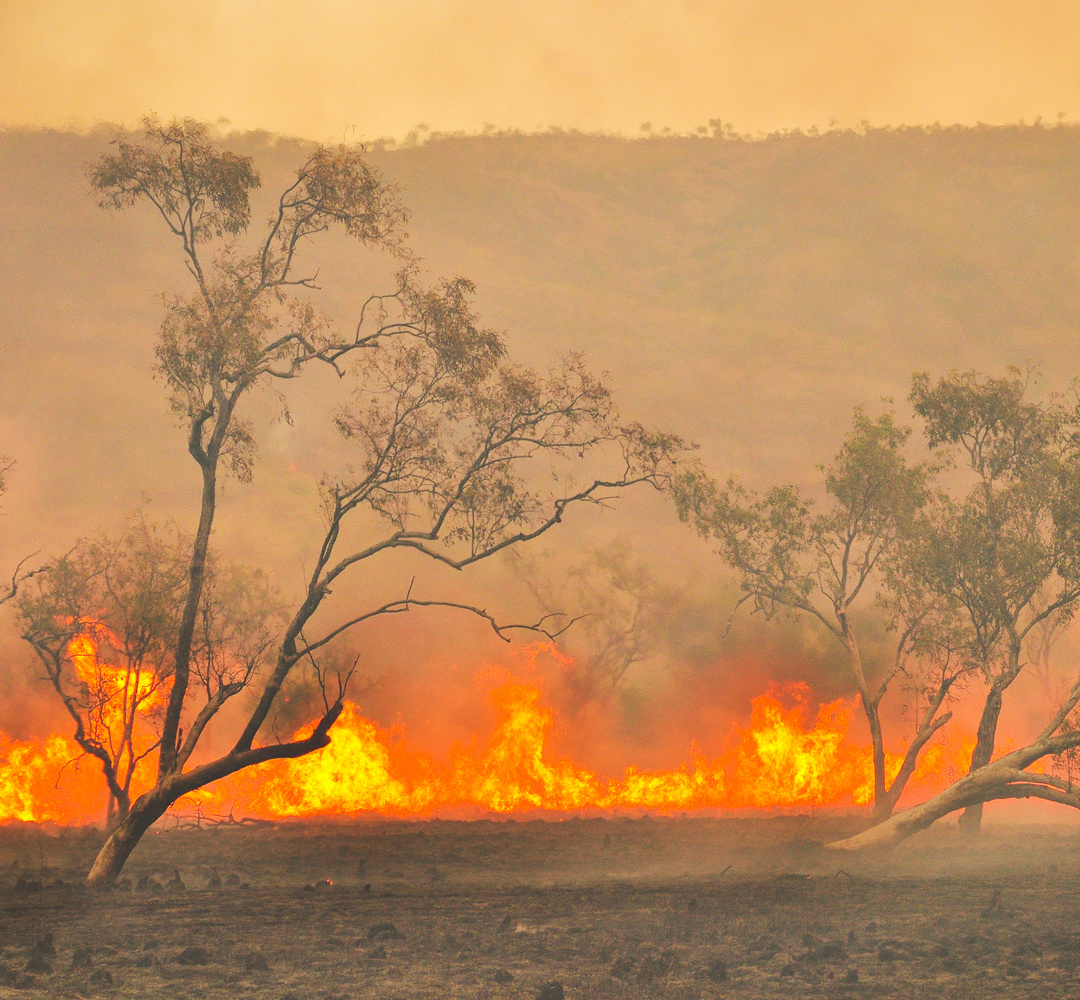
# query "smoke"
(655, 664)
(762, 66)
(703, 275)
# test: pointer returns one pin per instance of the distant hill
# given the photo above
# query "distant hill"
(737, 281)
(746, 292)
(749, 290)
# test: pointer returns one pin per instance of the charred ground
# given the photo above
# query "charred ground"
(683, 908)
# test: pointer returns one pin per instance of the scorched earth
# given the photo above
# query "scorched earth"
(627, 908)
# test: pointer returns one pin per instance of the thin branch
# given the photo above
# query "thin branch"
(403, 605)
(18, 580)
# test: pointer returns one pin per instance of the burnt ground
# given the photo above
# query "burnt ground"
(658, 908)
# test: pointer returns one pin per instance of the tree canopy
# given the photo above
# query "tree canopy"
(820, 559)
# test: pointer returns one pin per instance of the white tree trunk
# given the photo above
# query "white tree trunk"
(1005, 778)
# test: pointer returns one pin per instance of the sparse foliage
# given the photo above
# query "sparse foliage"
(822, 560)
(458, 453)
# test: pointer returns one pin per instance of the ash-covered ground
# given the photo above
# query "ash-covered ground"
(658, 908)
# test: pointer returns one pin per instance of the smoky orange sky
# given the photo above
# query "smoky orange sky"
(317, 69)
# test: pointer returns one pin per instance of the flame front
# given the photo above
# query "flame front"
(777, 761)
(774, 762)
(31, 773)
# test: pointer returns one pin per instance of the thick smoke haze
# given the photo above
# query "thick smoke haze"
(316, 70)
(746, 294)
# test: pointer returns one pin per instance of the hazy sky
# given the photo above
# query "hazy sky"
(316, 68)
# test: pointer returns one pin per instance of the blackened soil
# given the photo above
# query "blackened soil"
(679, 908)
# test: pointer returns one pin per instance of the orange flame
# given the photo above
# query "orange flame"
(775, 762)
(38, 784)
(52, 780)
(112, 685)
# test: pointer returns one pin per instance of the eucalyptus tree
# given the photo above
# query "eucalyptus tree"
(1006, 553)
(1003, 546)
(827, 560)
(456, 453)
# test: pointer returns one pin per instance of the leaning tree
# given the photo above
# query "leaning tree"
(456, 453)
(828, 559)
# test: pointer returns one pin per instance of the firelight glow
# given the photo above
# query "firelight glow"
(776, 761)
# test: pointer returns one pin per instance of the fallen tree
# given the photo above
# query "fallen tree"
(1008, 777)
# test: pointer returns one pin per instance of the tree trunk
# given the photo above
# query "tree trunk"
(901, 826)
(1004, 778)
(170, 733)
(125, 835)
(151, 806)
(971, 821)
(882, 805)
(870, 708)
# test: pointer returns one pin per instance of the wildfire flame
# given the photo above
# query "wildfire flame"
(776, 761)
(30, 783)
